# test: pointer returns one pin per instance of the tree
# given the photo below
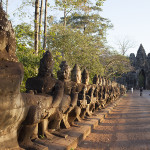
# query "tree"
(79, 37)
(76, 48)
(24, 35)
(45, 26)
(40, 20)
(68, 6)
(25, 51)
(124, 45)
(115, 65)
(36, 22)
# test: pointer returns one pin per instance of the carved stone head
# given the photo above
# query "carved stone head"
(46, 65)
(7, 38)
(76, 74)
(96, 79)
(64, 72)
(85, 77)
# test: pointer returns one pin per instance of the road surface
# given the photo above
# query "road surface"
(127, 127)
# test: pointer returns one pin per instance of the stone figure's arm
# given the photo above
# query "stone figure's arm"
(57, 94)
(74, 98)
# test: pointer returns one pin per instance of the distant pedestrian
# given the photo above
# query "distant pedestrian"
(141, 90)
(132, 90)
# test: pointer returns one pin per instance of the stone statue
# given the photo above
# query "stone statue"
(11, 74)
(96, 82)
(71, 110)
(46, 84)
(91, 100)
(7, 39)
(48, 101)
(81, 89)
(13, 106)
(43, 106)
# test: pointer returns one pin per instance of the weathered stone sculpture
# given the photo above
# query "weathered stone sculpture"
(7, 39)
(36, 107)
(91, 100)
(24, 117)
(102, 92)
(96, 94)
(81, 89)
(46, 84)
(12, 108)
(72, 111)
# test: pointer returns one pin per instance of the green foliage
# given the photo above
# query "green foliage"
(75, 47)
(57, 59)
(30, 62)
(24, 35)
(25, 52)
(79, 38)
(115, 64)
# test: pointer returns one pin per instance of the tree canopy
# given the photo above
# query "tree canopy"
(79, 36)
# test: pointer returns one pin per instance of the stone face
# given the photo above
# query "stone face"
(64, 72)
(96, 79)
(132, 59)
(85, 77)
(46, 65)
(76, 74)
(69, 101)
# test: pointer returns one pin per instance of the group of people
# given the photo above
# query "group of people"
(141, 90)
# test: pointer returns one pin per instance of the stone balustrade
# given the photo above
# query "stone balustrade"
(49, 104)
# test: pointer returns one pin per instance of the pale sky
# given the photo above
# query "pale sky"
(131, 19)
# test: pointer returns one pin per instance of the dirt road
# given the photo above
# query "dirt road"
(127, 127)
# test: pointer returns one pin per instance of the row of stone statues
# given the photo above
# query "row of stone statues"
(49, 103)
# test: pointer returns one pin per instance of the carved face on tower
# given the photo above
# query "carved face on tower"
(64, 72)
(76, 74)
(85, 77)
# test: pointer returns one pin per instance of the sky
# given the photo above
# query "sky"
(131, 20)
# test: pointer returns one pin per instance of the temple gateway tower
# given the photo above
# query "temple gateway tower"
(140, 76)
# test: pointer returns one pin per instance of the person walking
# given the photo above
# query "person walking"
(132, 90)
(141, 90)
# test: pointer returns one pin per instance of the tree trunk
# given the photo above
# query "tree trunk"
(36, 26)
(40, 22)
(45, 26)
